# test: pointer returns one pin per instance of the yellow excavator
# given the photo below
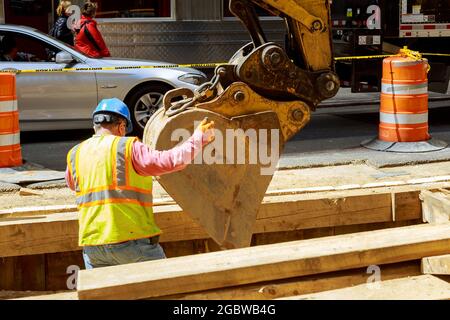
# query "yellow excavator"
(262, 97)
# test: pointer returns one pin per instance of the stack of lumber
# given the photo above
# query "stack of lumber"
(36, 230)
(38, 244)
(213, 274)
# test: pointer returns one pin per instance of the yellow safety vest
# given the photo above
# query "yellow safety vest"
(114, 201)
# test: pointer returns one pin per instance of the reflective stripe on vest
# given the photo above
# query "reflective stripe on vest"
(402, 118)
(114, 196)
(120, 162)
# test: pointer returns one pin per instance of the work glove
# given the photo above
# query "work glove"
(207, 129)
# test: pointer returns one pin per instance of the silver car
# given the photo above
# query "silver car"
(65, 100)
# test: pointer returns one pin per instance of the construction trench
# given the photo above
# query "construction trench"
(330, 232)
(364, 228)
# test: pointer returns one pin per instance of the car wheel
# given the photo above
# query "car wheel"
(143, 103)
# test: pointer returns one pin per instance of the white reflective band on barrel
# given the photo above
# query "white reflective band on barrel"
(401, 118)
(9, 139)
(8, 106)
(407, 63)
(421, 88)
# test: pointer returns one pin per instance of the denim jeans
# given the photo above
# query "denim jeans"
(121, 253)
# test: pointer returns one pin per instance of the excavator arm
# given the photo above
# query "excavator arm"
(259, 99)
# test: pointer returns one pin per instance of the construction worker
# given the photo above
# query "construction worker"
(112, 177)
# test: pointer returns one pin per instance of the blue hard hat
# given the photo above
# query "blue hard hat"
(115, 106)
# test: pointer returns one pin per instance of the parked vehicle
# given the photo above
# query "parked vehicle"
(65, 100)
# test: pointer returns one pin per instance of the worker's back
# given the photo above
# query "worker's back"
(115, 203)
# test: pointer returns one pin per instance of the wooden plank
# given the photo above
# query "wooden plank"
(435, 206)
(436, 265)
(302, 285)
(58, 232)
(32, 271)
(407, 206)
(71, 295)
(382, 184)
(284, 213)
(424, 287)
(374, 226)
(32, 211)
(9, 277)
(263, 263)
(36, 235)
(22, 273)
(46, 210)
(60, 269)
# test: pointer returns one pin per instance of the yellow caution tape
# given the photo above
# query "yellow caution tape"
(415, 55)
(379, 56)
(405, 51)
(197, 65)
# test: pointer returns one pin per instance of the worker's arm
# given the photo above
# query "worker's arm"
(148, 162)
(69, 180)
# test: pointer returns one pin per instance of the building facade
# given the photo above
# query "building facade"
(177, 31)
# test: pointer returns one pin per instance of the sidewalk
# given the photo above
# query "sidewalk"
(345, 98)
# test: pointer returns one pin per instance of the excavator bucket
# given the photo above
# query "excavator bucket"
(258, 100)
(224, 185)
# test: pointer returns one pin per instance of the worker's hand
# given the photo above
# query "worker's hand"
(207, 128)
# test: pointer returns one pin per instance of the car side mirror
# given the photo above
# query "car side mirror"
(63, 57)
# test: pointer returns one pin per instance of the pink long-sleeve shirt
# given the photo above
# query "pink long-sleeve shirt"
(148, 162)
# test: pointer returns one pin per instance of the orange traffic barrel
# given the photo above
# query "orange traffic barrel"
(10, 150)
(404, 100)
(404, 106)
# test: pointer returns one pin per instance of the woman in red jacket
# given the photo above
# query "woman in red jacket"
(89, 40)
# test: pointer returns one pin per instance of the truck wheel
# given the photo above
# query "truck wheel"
(143, 103)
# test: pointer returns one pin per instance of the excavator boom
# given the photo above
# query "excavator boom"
(259, 99)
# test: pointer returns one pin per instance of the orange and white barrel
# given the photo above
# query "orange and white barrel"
(404, 100)
(10, 150)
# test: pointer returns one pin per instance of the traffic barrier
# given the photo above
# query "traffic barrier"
(10, 150)
(404, 106)
(404, 100)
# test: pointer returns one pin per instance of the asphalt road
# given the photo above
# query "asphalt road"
(329, 129)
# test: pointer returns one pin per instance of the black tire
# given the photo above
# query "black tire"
(143, 103)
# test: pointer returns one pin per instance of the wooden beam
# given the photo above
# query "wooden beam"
(44, 210)
(302, 285)
(39, 234)
(263, 263)
(44, 232)
(70, 295)
(36, 211)
(436, 265)
(425, 287)
(435, 206)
